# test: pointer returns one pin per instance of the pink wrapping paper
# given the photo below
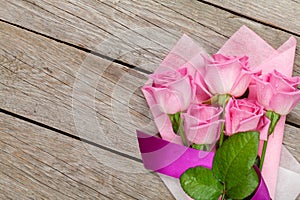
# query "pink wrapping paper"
(261, 57)
(264, 57)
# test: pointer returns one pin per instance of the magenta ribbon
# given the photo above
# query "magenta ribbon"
(173, 160)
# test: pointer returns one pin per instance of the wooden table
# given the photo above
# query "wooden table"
(70, 98)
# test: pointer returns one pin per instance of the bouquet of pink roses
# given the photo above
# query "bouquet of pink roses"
(221, 117)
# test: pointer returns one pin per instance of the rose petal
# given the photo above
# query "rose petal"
(220, 78)
(264, 92)
(169, 101)
(206, 134)
(283, 103)
(241, 84)
(263, 128)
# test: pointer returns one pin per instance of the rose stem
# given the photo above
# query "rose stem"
(223, 194)
(222, 128)
(182, 134)
(274, 117)
(262, 159)
(222, 134)
(222, 101)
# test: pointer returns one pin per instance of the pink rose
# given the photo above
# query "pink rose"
(173, 91)
(228, 75)
(277, 92)
(202, 124)
(243, 115)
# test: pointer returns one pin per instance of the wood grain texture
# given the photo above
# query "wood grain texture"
(290, 136)
(46, 75)
(281, 14)
(136, 32)
(49, 165)
(72, 91)
(226, 23)
(207, 33)
(40, 164)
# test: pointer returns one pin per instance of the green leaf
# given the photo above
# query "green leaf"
(245, 187)
(235, 157)
(200, 184)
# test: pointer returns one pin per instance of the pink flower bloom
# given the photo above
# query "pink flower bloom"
(243, 115)
(202, 124)
(173, 91)
(277, 92)
(228, 75)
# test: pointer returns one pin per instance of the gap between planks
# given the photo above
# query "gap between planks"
(120, 62)
(57, 129)
(47, 166)
(78, 47)
(133, 65)
(69, 135)
(249, 18)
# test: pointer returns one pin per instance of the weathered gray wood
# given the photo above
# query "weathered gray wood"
(291, 134)
(73, 22)
(225, 23)
(124, 30)
(88, 96)
(294, 116)
(281, 14)
(63, 88)
(37, 163)
(107, 111)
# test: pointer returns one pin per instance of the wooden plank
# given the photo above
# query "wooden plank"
(44, 83)
(159, 11)
(48, 165)
(294, 116)
(289, 140)
(37, 163)
(41, 73)
(281, 14)
(138, 33)
(40, 164)
(222, 22)
(63, 88)
(99, 32)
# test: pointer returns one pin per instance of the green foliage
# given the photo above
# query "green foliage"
(235, 158)
(232, 175)
(245, 187)
(200, 184)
